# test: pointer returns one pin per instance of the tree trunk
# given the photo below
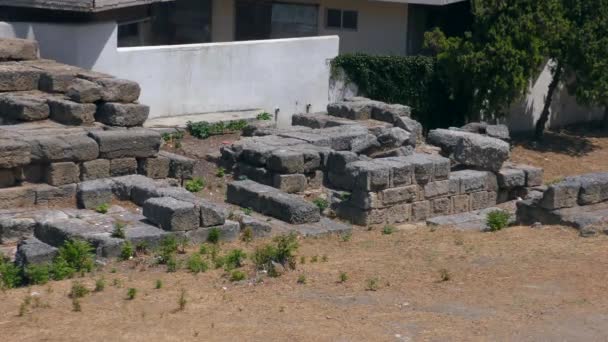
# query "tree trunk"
(544, 116)
(605, 119)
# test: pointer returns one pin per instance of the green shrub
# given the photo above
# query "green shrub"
(100, 285)
(264, 116)
(172, 264)
(371, 284)
(78, 290)
(497, 220)
(158, 284)
(60, 269)
(321, 203)
(103, 208)
(127, 251)
(131, 293)
(119, 230)
(166, 249)
(10, 274)
(76, 307)
(214, 235)
(247, 211)
(196, 264)
(78, 255)
(301, 279)
(280, 251)
(247, 235)
(343, 277)
(388, 230)
(237, 275)
(221, 172)
(234, 259)
(181, 302)
(195, 184)
(410, 80)
(38, 274)
(204, 130)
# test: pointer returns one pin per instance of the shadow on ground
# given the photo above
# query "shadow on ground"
(574, 142)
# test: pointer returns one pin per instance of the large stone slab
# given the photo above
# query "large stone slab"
(171, 214)
(180, 167)
(561, 195)
(17, 77)
(135, 143)
(319, 120)
(91, 194)
(62, 148)
(353, 110)
(212, 214)
(17, 197)
(14, 153)
(14, 49)
(62, 173)
(119, 90)
(122, 115)
(23, 107)
(34, 252)
(83, 91)
(482, 152)
(71, 113)
(156, 168)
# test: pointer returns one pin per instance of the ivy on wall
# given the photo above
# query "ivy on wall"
(410, 80)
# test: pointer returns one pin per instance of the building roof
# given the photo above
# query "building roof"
(77, 5)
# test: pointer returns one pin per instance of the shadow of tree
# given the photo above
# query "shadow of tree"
(573, 141)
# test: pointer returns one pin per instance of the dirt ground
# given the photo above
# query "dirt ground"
(520, 284)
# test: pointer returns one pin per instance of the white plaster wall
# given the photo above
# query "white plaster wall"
(287, 74)
(382, 25)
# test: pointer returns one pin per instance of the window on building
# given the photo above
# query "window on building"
(342, 19)
(293, 20)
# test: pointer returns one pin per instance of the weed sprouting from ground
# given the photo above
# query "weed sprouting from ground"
(103, 208)
(158, 284)
(301, 279)
(343, 277)
(371, 284)
(78, 290)
(388, 230)
(237, 275)
(281, 251)
(247, 235)
(119, 230)
(346, 237)
(182, 301)
(497, 220)
(220, 173)
(321, 203)
(264, 116)
(76, 307)
(196, 184)
(214, 235)
(100, 285)
(196, 264)
(131, 293)
(127, 251)
(247, 211)
(234, 259)
(444, 275)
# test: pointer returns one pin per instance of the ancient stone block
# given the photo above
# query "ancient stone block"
(360, 110)
(369, 176)
(229, 231)
(561, 195)
(155, 168)
(424, 167)
(436, 189)
(17, 197)
(95, 169)
(399, 195)
(412, 126)
(291, 183)
(398, 213)
(122, 115)
(390, 112)
(180, 167)
(258, 174)
(461, 204)
(481, 200)
(285, 161)
(62, 148)
(14, 49)
(534, 175)
(91, 194)
(47, 195)
(141, 233)
(71, 113)
(315, 179)
(420, 211)
(62, 173)
(171, 214)
(16, 77)
(401, 172)
(119, 90)
(123, 167)
(23, 107)
(342, 139)
(34, 252)
(7, 178)
(56, 82)
(394, 137)
(132, 143)
(594, 188)
(469, 180)
(13, 153)
(441, 206)
(511, 178)
(83, 91)
(258, 227)
(337, 160)
(212, 214)
(483, 152)
(365, 200)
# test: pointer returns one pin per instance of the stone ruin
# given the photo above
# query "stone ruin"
(372, 160)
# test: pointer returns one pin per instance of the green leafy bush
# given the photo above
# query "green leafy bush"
(60, 269)
(264, 116)
(127, 251)
(196, 264)
(10, 274)
(78, 290)
(103, 208)
(237, 275)
(388, 230)
(281, 251)
(321, 203)
(497, 220)
(131, 293)
(37, 274)
(78, 255)
(167, 249)
(195, 184)
(204, 130)
(234, 259)
(214, 235)
(119, 230)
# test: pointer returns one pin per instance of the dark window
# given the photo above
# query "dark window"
(349, 20)
(293, 20)
(334, 18)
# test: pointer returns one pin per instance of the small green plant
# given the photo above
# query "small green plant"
(78, 255)
(247, 235)
(25, 304)
(324, 258)
(195, 184)
(142, 248)
(78, 290)
(314, 258)
(100, 285)
(119, 230)
(38, 274)
(183, 244)
(167, 248)
(103, 208)
(76, 307)
(204, 130)
(281, 251)
(158, 284)
(444, 275)
(237, 275)
(181, 302)
(131, 293)
(60, 269)
(214, 235)
(388, 230)
(196, 264)
(264, 116)
(221, 172)
(301, 279)
(497, 220)
(172, 264)
(321, 203)
(343, 277)
(116, 282)
(234, 259)
(371, 284)
(346, 236)
(127, 251)
(302, 260)
(247, 211)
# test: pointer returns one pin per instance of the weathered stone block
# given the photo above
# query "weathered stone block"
(258, 174)
(62, 148)
(15, 49)
(212, 214)
(285, 161)
(17, 197)
(398, 213)
(441, 206)
(132, 143)
(141, 233)
(229, 231)
(394, 137)
(315, 179)
(481, 200)
(534, 175)
(47, 195)
(399, 195)
(71, 113)
(56, 82)
(461, 204)
(412, 126)
(62, 173)
(23, 107)
(561, 195)
(258, 227)
(122, 115)
(119, 90)
(83, 91)
(123, 167)
(91, 194)
(421, 211)
(95, 169)
(594, 188)
(469, 180)
(155, 168)
(359, 110)
(14, 153)
(16, 77)
(424, 167)
(390, 112)
(365, 200)
(34, 252)
(337, 160)
(511, 178)
(369, 176)
(401, 172)
(483, 152)
(292, 183)
(171, 214)
(436, 189)
(7, 178)
(13, 229)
